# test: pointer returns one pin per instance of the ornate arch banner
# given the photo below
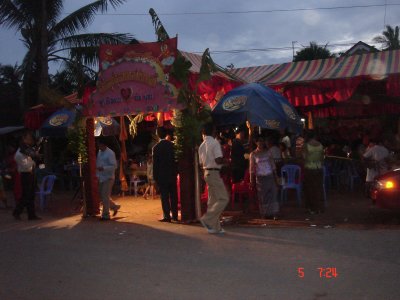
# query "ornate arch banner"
(133, 79)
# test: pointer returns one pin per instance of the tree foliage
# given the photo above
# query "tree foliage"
(48, 36)
(10, 95)
(389, 38)
(77, 138)
(313, 51)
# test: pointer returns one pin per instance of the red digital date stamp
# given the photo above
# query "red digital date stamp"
(323, 272)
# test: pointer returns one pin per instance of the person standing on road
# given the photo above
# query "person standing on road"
(164, 174)
(313, 153)
(150, 179)
(26, 167)
(211, 159)
(263, 176)
(106, 165)
(376, 154)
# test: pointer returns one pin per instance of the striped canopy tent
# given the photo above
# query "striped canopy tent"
(317, 82)
(254, 74)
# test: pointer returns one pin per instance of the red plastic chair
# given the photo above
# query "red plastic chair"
(242, 189)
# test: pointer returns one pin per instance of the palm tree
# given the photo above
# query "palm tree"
(10, 75)
(10, 92)
(313, 51)
(48, 37)
(389, 38)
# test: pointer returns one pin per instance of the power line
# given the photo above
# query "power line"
(252, 11)
(236, 51)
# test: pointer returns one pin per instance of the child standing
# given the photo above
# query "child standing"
(150, 187)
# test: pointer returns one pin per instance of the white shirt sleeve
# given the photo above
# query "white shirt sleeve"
(217, 151)
(24, 162)
(369, 153)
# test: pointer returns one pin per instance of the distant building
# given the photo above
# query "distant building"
(359, 48)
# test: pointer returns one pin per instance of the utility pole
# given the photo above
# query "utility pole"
(293, 42)
(384, 17)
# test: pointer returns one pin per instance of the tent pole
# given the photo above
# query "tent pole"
(197, 184)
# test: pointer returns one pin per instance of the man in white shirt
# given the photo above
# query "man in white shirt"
(211, 159)
(106, 164)
(286, 140)
(26, 166)
(377, 153)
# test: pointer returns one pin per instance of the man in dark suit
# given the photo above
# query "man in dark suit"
(164, 173)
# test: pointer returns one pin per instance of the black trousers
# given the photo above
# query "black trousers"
(237, 174)
(313, 189)
(28, 195)
(169, 199)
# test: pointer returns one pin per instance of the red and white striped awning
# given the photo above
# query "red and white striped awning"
(377, 65)
(254, 74)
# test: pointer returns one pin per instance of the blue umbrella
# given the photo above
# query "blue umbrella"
(58, 123)
(259, 105)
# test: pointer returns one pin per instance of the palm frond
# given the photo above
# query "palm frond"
(88, 56)
(95, 39)
(379, 39)
(82, 18)
(389, 38)
(161, 33)
(12, 16)
(54, 9)
(73, 75)
(10, 74)
(113, 3)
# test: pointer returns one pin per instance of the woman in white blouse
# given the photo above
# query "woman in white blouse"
(263, 176)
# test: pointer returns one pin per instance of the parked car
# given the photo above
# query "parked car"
(386, 190)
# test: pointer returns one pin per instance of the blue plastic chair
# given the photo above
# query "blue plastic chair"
(46, 188)
(291, 176)
(353, 175)
(338, 172)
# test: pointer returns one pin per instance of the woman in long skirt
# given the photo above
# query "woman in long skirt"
(263, 175)
(313, 153)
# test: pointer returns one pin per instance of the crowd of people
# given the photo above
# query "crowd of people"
(227, 157)
(263, 154)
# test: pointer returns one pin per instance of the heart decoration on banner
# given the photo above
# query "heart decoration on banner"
(126, 93)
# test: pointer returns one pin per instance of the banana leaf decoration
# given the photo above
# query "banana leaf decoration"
(133, 125)
(207, 66)
(189, 121)
(161, 33)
